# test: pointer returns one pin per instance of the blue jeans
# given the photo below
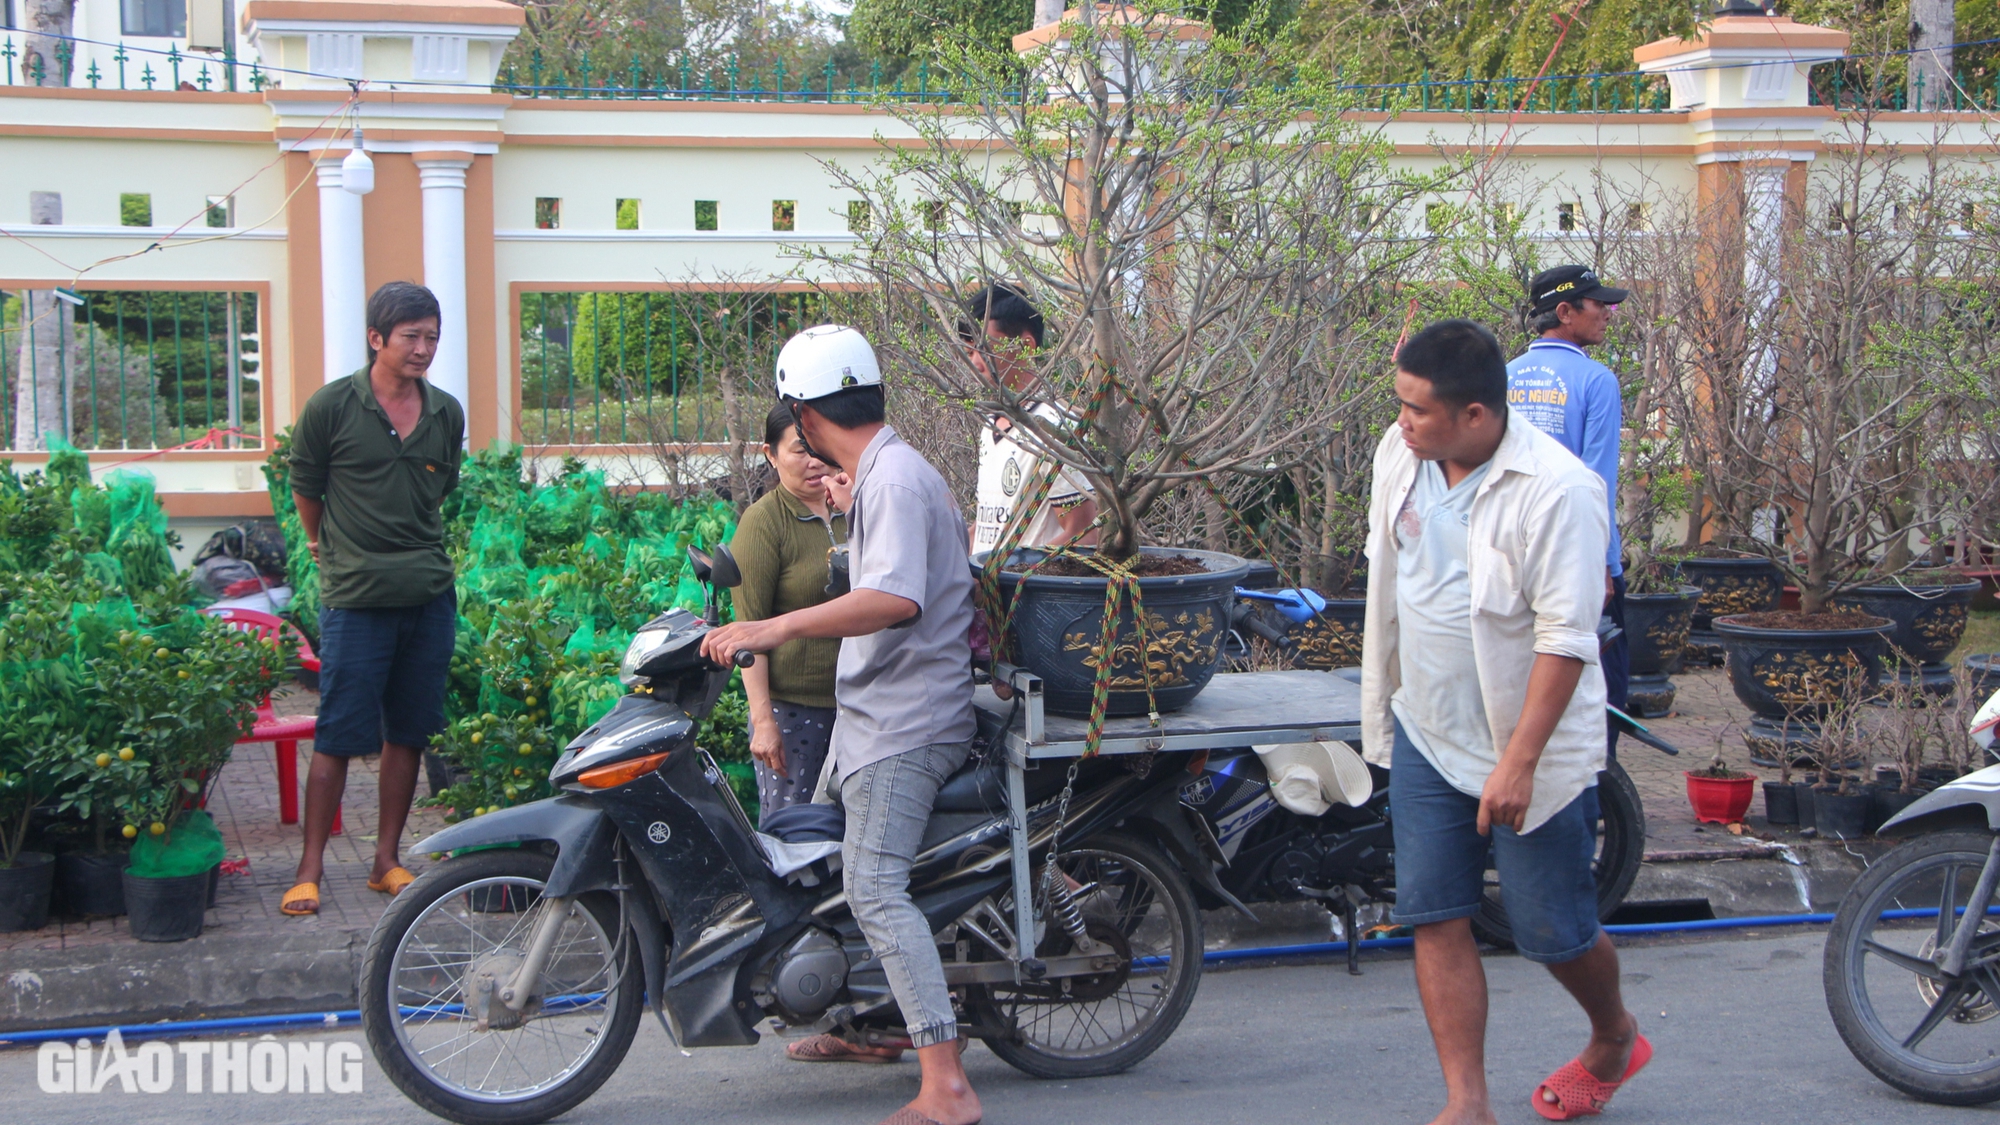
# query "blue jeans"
(382, 676)
(1547, 885)
(888, 805)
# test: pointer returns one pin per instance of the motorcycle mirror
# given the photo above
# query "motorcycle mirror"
(702, 563)
(723, 570)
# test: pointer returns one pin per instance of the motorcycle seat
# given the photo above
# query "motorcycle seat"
(979, 786)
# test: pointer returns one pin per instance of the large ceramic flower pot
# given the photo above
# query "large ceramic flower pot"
(1983, 668)
(1055, 633)
(1656, 632)
(1739, 584)
(1331, 638)
(1928, 622)
(1798, 674)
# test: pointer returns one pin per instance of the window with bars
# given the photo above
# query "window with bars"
(129, 369)
(656, 367)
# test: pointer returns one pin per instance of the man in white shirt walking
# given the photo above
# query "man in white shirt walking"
(1481, 691)
(1010, 472)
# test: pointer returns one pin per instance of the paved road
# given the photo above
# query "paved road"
(1739, 1023)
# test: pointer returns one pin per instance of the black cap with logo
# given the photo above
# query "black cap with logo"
(1569, 284)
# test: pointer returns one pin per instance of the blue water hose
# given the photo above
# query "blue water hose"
(350, 1017)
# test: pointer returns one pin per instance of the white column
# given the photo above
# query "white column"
(343, 282)
(1763, 242)
(443, 180)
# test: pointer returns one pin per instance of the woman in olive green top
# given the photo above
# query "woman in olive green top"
(781, 545)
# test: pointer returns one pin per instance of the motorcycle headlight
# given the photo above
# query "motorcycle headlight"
(645, 644)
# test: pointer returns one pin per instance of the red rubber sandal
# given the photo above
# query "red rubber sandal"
(1579, 1093)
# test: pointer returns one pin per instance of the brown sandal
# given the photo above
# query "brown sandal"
(829, 1048)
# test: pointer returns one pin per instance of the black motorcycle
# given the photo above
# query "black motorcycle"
(506, 984)
(1344, 858)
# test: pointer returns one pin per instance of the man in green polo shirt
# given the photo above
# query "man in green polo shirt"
(373, 457)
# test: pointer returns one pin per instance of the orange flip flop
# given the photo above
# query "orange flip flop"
(300, 893)
(1580, 1093)
(392, 884)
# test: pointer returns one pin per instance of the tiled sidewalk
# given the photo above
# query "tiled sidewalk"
(245, 807)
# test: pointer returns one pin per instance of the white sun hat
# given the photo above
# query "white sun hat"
(1309, 777)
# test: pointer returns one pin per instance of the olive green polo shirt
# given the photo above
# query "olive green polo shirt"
(781, 548)
(381, 541)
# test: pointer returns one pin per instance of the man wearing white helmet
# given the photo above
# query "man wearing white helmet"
(903, 685)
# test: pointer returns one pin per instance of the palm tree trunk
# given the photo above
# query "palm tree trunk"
(48, 22)
(41, 408)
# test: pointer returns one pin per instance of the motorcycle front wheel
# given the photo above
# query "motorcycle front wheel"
(1925, 1033)
(471, 919)
(1621, 846)
(1136, 902)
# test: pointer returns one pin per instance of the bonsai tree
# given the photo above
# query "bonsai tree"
(1188, 209)
(1836, 436)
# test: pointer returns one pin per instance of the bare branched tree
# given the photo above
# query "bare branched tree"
(1824, 394)
(1189, 210)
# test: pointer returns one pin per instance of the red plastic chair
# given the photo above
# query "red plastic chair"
(284, 734)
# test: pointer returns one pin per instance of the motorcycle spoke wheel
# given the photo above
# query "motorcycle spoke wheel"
(1139, 909)
(489, 922)
(476, 917)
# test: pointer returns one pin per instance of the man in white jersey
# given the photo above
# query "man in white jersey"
(1009, 472)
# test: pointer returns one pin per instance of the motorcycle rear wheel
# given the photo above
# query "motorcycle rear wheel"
(415, 1010)
(1621, 846)
(1085, 1027)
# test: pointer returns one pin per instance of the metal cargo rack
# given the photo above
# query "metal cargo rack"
(1236, 709)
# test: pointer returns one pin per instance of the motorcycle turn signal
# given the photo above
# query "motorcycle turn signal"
(618, 773)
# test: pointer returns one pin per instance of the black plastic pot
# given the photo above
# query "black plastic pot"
(1928, 622)
(1739, 584)
(1888, 800)
(1656, 631)
(1798, 673)
(1802, 794)
(92, 882)
(1838, 816)
(1781, 802)
(166, 909)
(1332, 638)
(24, 891)
(1056, 634)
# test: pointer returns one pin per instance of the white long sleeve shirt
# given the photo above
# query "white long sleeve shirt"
(1535, 544)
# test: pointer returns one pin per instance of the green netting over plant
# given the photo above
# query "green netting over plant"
(193, 848)
(119, 702)
(554, 577)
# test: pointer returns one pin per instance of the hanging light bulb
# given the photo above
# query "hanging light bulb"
(357, 172)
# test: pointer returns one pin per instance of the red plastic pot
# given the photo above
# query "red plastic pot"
(1720, 800)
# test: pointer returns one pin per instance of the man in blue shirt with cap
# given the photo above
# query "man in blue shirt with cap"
(1574, 399)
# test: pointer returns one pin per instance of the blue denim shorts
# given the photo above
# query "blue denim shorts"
(1545, 876)
(382, 675)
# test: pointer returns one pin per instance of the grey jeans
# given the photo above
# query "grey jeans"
(888, 804)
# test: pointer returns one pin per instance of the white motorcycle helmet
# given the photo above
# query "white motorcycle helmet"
(825, 360)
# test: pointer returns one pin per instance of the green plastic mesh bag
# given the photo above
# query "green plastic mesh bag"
(138, 530)
(98, 623)
(194, 846)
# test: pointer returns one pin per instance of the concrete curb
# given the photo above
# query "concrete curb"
(212, 975)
